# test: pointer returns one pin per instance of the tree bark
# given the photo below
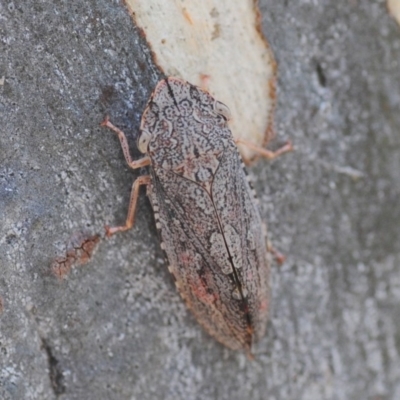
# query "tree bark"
(115, 327)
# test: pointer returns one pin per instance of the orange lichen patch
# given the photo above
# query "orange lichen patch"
(394, 9)
(223, 41)
(61, 266)
(79, 251)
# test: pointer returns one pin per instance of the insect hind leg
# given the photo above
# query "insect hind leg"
(265, 152)
(130, 219)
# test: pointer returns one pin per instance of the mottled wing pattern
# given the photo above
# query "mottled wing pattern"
(210, 227)
(242, 226)
(207, 291)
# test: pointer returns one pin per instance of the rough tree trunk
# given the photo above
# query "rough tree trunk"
(116, 328)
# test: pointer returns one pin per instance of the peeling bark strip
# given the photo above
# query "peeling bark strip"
(205, 210)
(394, 9)
(223, 41)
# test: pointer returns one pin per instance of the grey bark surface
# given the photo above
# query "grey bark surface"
(116, 328)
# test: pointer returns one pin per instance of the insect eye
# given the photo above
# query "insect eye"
(222, 109)
(143, 141)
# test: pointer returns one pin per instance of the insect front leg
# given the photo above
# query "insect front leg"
(264, 152)
(142, 162)
(142, 180)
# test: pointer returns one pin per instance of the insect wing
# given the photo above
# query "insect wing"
(214, 245)
(241, 223)
(204, 207)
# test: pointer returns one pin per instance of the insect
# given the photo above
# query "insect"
(205, 211)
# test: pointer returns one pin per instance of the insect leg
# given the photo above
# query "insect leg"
(130, 219)
(264, 152)
(279, 257)
(142, 180)
(205, 81)
(142, 162)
